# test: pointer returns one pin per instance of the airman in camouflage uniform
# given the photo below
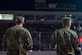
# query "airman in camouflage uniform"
(17, 40)
(64, 40)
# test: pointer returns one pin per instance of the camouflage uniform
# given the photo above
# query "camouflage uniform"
(64, 41)
(17, 40)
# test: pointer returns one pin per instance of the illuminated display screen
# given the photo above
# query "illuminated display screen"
(6, 16)
(80, 39)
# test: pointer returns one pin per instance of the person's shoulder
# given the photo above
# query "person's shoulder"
(10, 28)
(25, 29)
(17, 27)
(60, 30)
(66, 30)
(72, 31)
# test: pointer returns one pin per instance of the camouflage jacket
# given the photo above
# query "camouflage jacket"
(17, 40)
(64, 41)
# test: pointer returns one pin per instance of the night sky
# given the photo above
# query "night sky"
(29, 4)
(17, 5)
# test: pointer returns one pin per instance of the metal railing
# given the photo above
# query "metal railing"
(41, 40)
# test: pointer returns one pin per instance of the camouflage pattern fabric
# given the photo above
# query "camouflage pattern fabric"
(64, 41)
(17, 40)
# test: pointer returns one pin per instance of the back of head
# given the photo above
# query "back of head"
(66, 20)
(20, 19)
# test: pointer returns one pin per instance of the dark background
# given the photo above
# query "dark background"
(28, 5)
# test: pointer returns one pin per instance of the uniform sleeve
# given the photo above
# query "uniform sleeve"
(75, 41)
(53, 40)
(27, 40)
(4, 43)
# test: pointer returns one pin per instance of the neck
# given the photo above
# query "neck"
(67, 27)
(20, 25)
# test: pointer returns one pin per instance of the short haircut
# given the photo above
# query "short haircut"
(20, 19)
(66, 20)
